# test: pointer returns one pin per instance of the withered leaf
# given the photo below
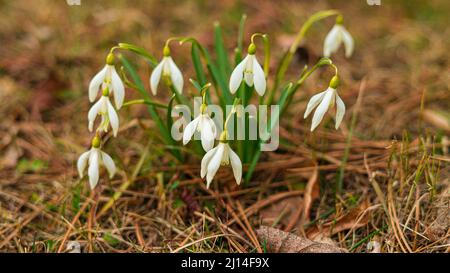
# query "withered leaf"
(279, 241)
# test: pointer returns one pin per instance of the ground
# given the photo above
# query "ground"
(391, 151)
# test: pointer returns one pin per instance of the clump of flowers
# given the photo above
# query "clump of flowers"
(216, 142)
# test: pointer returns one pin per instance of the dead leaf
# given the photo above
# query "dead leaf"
(282, 211)
(356, 218)
(279, 241)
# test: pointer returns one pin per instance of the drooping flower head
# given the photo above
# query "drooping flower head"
(250, 71)
(95, 158)
(222, 154)
(323, 101)
(203, 124)
(108, 78)
(106, 111)
(337, 35)
(167, 69)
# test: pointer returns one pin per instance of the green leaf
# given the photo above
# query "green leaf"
(195, 54)
(222, 56)
(239, 49)
(169, 112)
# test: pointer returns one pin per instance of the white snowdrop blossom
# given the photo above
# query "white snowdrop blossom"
(323, 101)
(222, 154)
(106, 111)
(337, 35)
(166, 68)
(108, 78)
(250, 70)
(203, 124)
(94, 158)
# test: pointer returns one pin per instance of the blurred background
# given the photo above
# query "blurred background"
(50, 50)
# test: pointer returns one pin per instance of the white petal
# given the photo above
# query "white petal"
(259, 78)
(237, 75)
(214, 164)
(236, 165)
(95, 83)
(248, 72)
(207, 134)
(190, 130)
(313, 102)
(82, 162)
(213, 126)
(113, 118)
(205, 161)
(109, 164)
(176, 76)
(156, 76)
(348, 42)
(322, 109)
(332, 41)
(93, 112)
(118, 88)
(93, 170)
(340, 111)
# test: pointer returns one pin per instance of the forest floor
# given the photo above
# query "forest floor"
(396, 179)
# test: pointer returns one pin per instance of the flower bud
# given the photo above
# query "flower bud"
(335, 81)
(105, 92)
(251, 49)
(96, 142)
(166, 51)
(110, 59)
(203, 108)
(224, 137)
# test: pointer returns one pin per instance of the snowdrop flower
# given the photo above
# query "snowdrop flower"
(166, 68)
(203, 124)
(105, 109)
(222, 154)
(108, 78)
(335, 37)
(323, 101)
(250, 70)
(95, 157)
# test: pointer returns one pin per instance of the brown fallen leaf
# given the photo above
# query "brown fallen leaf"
(281, 212)
(356, 218)
(278, 241)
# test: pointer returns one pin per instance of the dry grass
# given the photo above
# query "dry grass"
(396, 179)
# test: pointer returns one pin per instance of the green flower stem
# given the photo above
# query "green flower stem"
(142, 101)
(287, 58)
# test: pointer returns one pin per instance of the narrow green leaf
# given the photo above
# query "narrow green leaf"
(169, 112)
(222, 56)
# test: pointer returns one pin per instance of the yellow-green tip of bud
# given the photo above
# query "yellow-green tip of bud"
(335, 81)
(339, 20)
(166, 51)
(224, 137)
(251, 49)
(105, 92)
(203, 108)
(96, 142)
(110, 59)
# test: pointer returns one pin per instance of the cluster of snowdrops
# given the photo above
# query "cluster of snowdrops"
(247, 77)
